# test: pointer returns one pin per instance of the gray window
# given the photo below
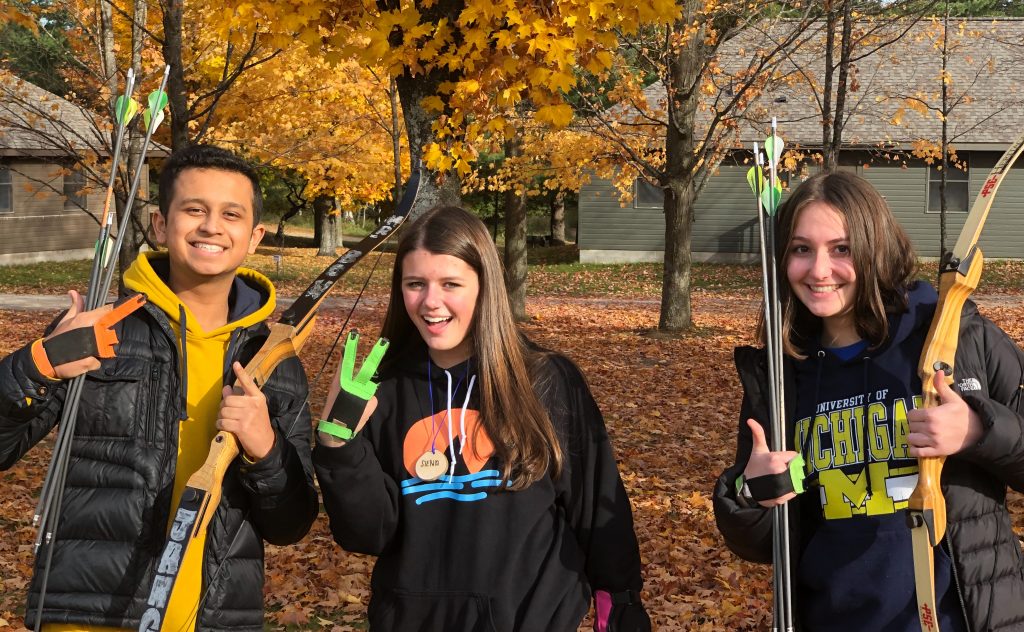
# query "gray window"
(74, 191)
(6, 190)
(957, 188)
(648, 195)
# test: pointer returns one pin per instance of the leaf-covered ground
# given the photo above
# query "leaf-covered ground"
(671, 407)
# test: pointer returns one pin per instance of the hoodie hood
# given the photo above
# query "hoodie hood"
(251, 301)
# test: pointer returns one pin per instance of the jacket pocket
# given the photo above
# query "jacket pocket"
(115, 401)
(410, 611)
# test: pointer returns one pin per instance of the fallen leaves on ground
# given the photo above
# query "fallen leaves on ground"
(671, 407)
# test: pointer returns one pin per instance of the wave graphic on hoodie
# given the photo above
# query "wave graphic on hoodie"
(470, 448)
(459, 488)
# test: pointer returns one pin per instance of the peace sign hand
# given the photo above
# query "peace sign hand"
(243, 412)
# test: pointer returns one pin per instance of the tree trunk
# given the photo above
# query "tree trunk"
(496, 217)
(177, 94)
(828, 152)
(515, 239)
(396, 143)
(133, 221)
(945, 137)
(326, 218)
(681, 174)
(558, 218)
(676, 311)
(435, 189)
(108, 67)
(839, 116)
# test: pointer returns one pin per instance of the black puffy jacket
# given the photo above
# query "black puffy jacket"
(988, 564)
(117, 497)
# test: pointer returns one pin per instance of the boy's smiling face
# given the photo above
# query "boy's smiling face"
(209, 228)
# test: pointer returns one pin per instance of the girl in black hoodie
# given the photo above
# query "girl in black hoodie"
(854, 323)
(481, 474)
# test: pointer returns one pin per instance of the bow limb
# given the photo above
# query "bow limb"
(960, 272)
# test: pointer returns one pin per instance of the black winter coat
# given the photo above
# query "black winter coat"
(988, 564)
(118, 492)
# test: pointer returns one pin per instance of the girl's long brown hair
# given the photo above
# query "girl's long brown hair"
(508, 370)
(883, 259)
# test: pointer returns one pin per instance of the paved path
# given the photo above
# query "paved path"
(40, 302)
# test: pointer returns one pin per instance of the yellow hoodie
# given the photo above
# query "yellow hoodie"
(205, 353)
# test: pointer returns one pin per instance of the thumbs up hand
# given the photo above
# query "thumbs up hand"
(76, 317)
(763, 462)
(944, 429)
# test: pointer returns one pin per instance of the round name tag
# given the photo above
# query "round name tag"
(431, 465)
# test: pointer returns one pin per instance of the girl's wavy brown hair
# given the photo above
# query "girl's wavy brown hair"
(509, 371)
(883, 259)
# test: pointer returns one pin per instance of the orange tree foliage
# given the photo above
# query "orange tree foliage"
(551, 160)
(472, 61)
(330, 123)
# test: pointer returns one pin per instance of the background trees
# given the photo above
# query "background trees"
(516, 99)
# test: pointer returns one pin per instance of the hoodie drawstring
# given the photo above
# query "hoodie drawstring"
(229, 357)
(183, 415)
(448, 418)
(805, 448)
(462, 417)
(448, 415)
(864, 426)
(864, 434)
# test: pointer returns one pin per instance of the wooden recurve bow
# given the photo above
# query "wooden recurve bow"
(202, 493)
(960, 271)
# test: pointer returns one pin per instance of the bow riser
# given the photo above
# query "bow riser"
(940, 353)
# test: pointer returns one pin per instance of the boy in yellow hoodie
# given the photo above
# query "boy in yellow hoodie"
(148, 415)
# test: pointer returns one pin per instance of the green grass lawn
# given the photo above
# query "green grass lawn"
(554, 271)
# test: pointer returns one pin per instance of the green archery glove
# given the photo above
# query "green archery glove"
(355, 391)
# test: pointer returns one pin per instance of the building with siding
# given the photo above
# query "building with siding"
(876, 147)
(50, 200)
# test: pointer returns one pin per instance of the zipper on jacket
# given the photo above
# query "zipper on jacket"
(956, 580)
(154, 381)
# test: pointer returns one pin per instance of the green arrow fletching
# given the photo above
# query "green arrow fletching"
(125, 109)
(157, 102)
(755, 179)
(770, 197)
(159, 118)
(773, 146)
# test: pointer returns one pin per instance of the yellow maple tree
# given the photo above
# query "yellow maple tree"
(331, 124)
(462, 66)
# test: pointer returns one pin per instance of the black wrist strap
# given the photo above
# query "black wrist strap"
(71, 345)
(625, 598)
(770, 486)
(347, 410)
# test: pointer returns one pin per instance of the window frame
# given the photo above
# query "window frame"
(636, 194)
(8, 174)
(932, 170)
(75, 199)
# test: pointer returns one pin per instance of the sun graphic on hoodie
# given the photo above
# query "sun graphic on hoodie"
(462, 440)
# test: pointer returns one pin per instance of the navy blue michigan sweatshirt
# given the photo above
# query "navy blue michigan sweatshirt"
(856, 569)
(459, 553)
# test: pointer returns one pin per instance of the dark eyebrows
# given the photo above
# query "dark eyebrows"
(831, 242)
(201, 202)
